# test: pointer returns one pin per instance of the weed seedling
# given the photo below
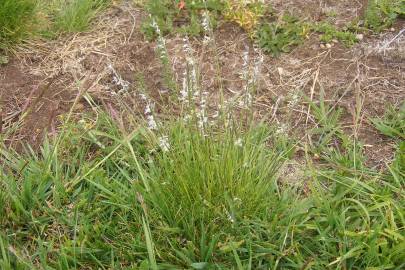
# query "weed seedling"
(282, 35)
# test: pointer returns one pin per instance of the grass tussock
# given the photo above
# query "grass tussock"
(76, 15)
(20, 19)
(16, 18)
(102, 197)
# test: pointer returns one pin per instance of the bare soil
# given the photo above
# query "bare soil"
(31, 103)
(46, 76)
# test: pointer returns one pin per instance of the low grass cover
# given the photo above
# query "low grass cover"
(392, 123)
(101, 197)
(76, 15)
(16, 17)
(381, 14)
(282, 35)
(201, 192)
(20, 19)
(180, 16)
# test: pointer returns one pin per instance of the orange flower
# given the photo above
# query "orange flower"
(181, 5)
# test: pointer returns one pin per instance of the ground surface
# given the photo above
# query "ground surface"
(43, 79)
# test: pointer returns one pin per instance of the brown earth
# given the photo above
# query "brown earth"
(337, 12)
(31, 103)
(115, 65)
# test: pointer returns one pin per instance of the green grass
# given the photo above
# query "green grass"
(108, 195)
(76, 15)
(330, 32)
(282, 35)
(102, 197)
(392, 124)
(21, 19)
(381, 14)
(170, 18)
(16, 19)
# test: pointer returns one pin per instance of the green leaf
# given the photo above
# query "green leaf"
(199, 265)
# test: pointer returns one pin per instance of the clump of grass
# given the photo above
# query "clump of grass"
(104, 197)
(199, 185)
(76, 15)
(16, 19)
(189, 193)
(21, 18)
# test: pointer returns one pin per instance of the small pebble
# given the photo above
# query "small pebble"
(322, 46)
(335, 40)
(360, 36)
(392, 29)
(328, 45)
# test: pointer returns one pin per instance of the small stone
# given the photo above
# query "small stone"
(360, 36)
(335, 41)
(322, 46)
(392, 29)
(280, 71)
(328, 45)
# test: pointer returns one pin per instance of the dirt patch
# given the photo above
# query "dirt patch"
(362, 80)
(30, 103)
(47, 76)
(337, 12)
